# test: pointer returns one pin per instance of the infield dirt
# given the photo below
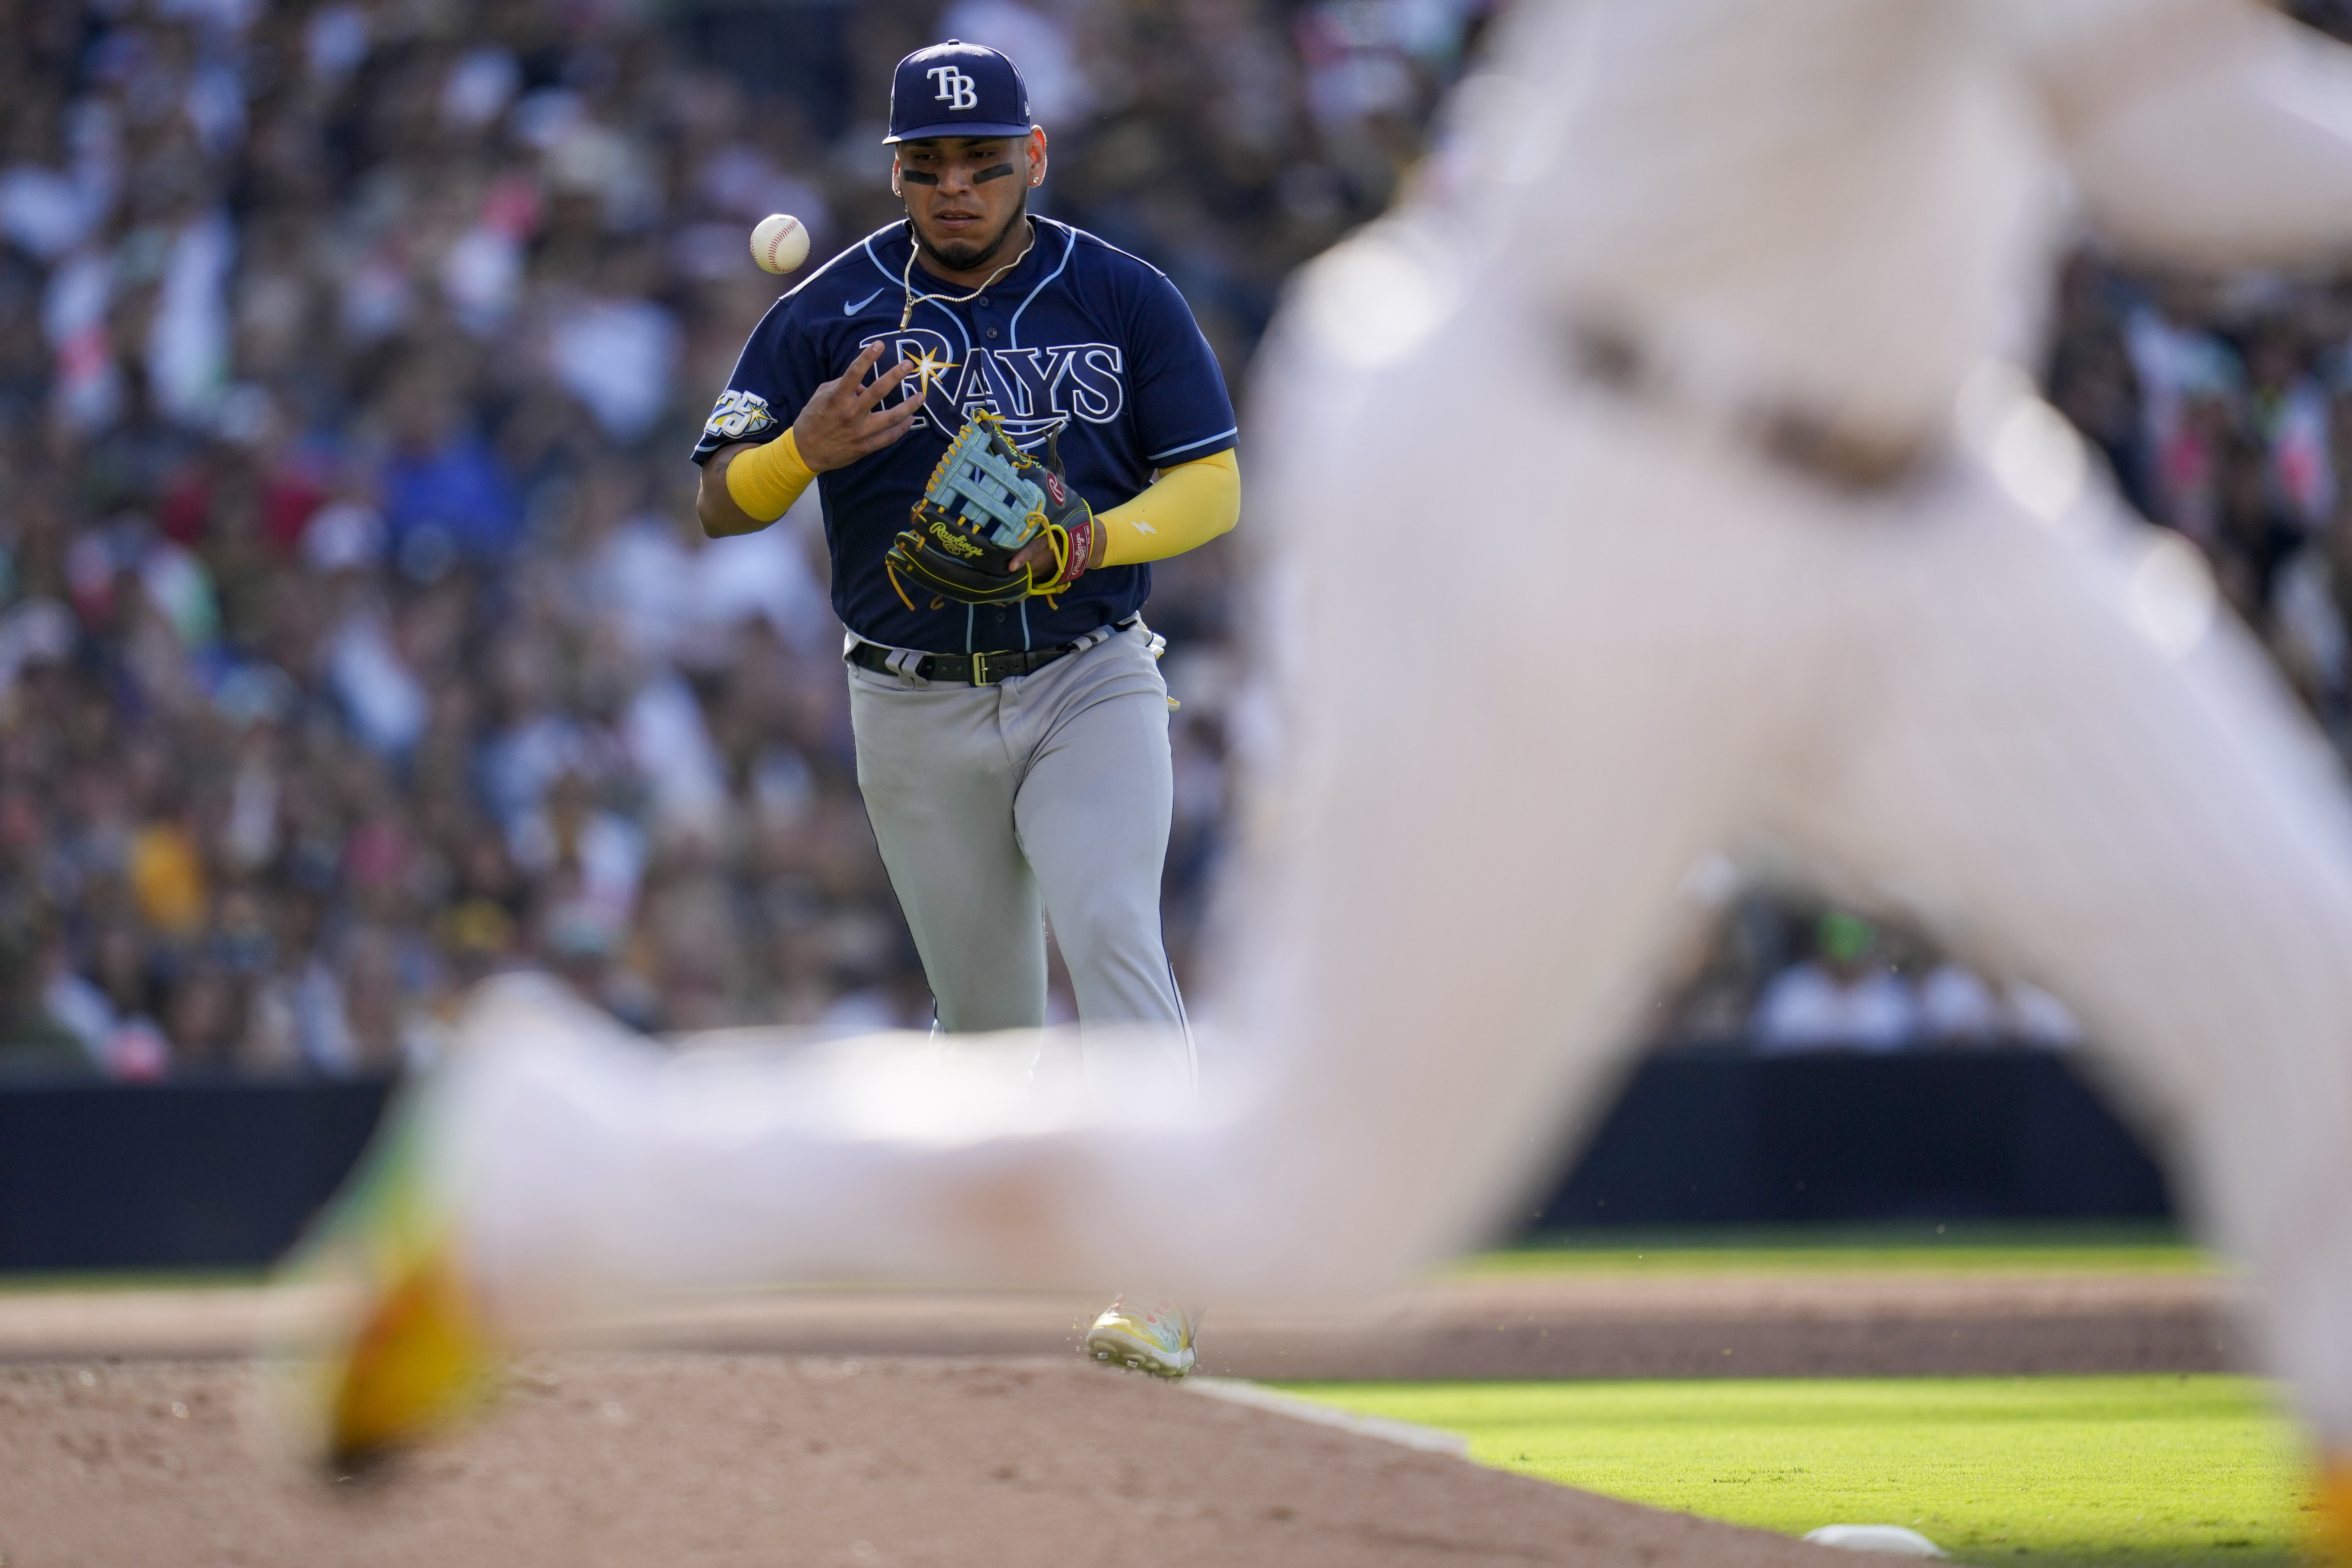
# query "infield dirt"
(769, 1430)
(1810, 1324)
(704, 1461)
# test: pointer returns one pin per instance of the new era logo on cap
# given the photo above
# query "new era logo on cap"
(956, 89)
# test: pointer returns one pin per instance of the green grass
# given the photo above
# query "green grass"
(1923, 1246)
(2119, 1472)
(36, 1283)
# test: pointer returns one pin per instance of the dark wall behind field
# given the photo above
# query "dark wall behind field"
(224, 1175)
(1729, 1138)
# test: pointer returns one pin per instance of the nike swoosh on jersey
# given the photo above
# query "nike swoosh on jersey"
(852, 310)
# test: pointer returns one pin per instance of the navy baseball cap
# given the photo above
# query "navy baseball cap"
(956, 89)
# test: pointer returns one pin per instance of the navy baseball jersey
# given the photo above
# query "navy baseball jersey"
(1080, 335)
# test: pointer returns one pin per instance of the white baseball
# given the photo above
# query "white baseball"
(780, 243)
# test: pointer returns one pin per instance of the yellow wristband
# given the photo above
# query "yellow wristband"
(766, 480)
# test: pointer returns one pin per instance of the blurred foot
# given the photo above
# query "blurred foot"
(412, 1352)
(1157, 1340)
(420, 1363)
(2333, 1501)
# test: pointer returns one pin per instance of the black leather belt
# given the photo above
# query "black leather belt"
(968, 669)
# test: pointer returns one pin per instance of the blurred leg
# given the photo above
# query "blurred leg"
(1476, 880)
(2061, 751)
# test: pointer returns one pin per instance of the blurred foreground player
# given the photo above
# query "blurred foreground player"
(1671, 424)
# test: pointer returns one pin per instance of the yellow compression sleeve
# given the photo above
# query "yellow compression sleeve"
(766, 480)
(1189, 505)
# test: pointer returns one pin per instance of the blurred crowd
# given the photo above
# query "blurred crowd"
(356, 638)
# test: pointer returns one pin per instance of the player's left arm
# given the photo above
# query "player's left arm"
(1184, 508)
(2204, 133)
(1183, 423)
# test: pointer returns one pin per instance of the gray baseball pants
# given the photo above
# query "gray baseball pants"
(1047, 793)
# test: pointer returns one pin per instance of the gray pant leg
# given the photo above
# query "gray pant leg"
(938, 787)
(1092, 814)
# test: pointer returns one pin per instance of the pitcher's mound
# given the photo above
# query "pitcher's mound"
(698, 1461)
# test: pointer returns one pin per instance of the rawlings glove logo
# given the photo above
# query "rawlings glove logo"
(738, 414)
(954, 543)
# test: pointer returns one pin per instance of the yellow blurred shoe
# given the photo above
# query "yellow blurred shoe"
(1157, 1340)
(420, 1363)
(408, 1350)
(2332, 1501)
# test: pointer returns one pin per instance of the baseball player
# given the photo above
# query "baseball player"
(1674, 407)
(1011, 721)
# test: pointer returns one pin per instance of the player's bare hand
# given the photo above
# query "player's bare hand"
(843, 422)
(1037, 555)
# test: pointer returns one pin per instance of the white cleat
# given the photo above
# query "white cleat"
(1156, 1339)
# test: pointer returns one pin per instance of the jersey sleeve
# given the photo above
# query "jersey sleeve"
(772, 380)
(1181, 408)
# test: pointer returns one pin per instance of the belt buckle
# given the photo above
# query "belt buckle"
(979, 669)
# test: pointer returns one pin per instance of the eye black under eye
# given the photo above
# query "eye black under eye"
(998, 172)
(916, 177)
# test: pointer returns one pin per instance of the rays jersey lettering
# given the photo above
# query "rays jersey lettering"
(1080, 338)
(1034, 391)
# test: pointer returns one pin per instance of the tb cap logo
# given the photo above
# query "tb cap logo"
(957, 91)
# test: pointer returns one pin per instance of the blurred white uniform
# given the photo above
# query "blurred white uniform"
(1557, 626)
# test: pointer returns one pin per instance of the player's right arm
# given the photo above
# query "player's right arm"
(2205, 132)
(747, 485)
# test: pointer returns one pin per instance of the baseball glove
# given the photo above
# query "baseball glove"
(986, 501)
